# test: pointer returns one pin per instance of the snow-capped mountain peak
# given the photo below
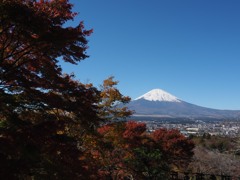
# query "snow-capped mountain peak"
(158, 95)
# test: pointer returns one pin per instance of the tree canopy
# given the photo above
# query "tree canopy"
(135, 153)
(32, 41)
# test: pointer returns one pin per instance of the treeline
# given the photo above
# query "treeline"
(216, 155)
(222, 144)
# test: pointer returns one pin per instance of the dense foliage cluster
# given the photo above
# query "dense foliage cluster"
(51, 125)
(137, 154)
(216, 155)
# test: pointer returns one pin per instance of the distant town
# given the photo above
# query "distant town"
(196, 127)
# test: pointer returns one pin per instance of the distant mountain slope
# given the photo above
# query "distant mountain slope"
(159, 102)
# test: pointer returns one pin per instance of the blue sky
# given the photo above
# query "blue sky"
(188, 48)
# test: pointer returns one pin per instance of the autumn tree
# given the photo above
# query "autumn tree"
(45, 114)
(122, 140)
(146, 160)
(32, 40)
(177, 149)
(132, 152)
(111, 105)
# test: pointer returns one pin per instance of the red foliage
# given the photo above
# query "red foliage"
(104, 129)
(132, 146)
(134, 129)
(174, 144)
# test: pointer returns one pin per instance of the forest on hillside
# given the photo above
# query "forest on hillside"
(53, 126)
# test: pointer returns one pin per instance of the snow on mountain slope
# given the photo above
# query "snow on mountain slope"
(160, 103)
(158, 95)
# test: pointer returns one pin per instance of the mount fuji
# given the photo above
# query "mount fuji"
(159, 103)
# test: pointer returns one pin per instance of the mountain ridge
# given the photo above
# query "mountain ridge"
(158, 102)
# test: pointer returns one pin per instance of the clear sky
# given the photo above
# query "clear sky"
(189, 48)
